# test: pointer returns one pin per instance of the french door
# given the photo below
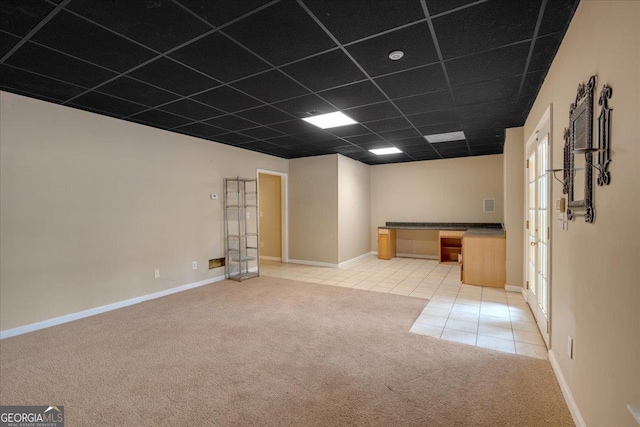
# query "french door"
(538, 227)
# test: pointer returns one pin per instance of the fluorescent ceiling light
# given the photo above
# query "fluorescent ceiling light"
(331, 120)
(382, 151)
(445, 137)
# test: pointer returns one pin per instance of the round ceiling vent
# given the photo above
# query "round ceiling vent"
(395, 55)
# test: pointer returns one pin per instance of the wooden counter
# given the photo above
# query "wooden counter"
(484, 259)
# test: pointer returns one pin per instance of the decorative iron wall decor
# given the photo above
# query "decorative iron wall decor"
(581, 138)
(604, 131)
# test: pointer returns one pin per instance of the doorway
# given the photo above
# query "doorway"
(272, 214)
(538, 226)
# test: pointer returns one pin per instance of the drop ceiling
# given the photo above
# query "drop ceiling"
(245, 72)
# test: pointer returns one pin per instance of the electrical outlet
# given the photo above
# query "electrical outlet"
(194, 265)
(156, 273)
(570, 348)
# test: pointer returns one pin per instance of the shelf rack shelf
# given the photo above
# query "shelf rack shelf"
(241, 228)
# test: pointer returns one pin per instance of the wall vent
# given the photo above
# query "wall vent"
(489, 205)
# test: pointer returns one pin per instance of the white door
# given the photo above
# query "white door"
(538, 227)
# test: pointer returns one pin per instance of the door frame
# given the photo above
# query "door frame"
(544, 126)
(284, 209)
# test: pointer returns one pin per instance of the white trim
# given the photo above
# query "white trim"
(352, 260)
(103, 309)
(314, 263)
(525, 294)
(512, 288)
(566, 391)
(399, 255)
(374, 253)
(284, 193)
(270, 258)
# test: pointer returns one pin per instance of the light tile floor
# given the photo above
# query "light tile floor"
(475, 315)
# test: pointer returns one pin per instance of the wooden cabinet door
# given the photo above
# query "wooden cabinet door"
(384, 246)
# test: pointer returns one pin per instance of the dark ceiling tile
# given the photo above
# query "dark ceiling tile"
(348, 130)
(366, 140)
(440, 128)
(317, 137)
(136, 91)
(493, 122)
(389, 124)
(224, 59)
(325, 71)
(486, 109)
(271, 86)
(348, 149)
(544, 51)
(486, 26)
(425, 155)
(158, 24)
(373, 112)
(329, 143)
(265, 115)
(50, 63)
(399, 134)
(282, 152)
(449, 146)
(261, 133)
(160, 119)
(397, 158)
(439, 6)
(109, 104)
(412, 82)
(233, 138)
(556, 16)
(231, 123)
(287, 141)
(354, 19)
(218, 12)
(20, 17)
(434, 117)
(172, 76)
(413, 144)
(191, 109)
(12, 78)
(7, 42)
(294, 127)
(491, 90)
(415, 41)
(353, 95)
(259, 145)
(281, 33)
(427, 102)
(75, 36)
(497, 134)
(197, 129)
(227, 99)
(484, 151)
(532, 82)
(489, 65)
(305, 106)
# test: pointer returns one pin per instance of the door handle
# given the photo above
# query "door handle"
(533, 243)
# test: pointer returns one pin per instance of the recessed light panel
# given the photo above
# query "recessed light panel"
(383, 151)
(445, 137)
(331, 120)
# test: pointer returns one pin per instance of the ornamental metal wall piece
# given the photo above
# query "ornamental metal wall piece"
(581, 136)
(604, 131)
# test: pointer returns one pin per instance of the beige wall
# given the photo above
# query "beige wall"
(595, 295)
(354, 213)
(514, 204)
(92, 205)
(270, 215)
(313, 209)
(449, 190)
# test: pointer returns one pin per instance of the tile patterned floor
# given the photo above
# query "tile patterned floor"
(475, 315)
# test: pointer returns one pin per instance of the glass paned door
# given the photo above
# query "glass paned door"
(538, 232)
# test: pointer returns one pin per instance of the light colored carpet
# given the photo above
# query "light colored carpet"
(273, 352)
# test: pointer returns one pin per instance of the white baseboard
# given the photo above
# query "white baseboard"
(352, 260)
(374, 253)
(103, 309)
(566, 391)
(420, 256)
(270, 258)
(511, 288)
(314, 263)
